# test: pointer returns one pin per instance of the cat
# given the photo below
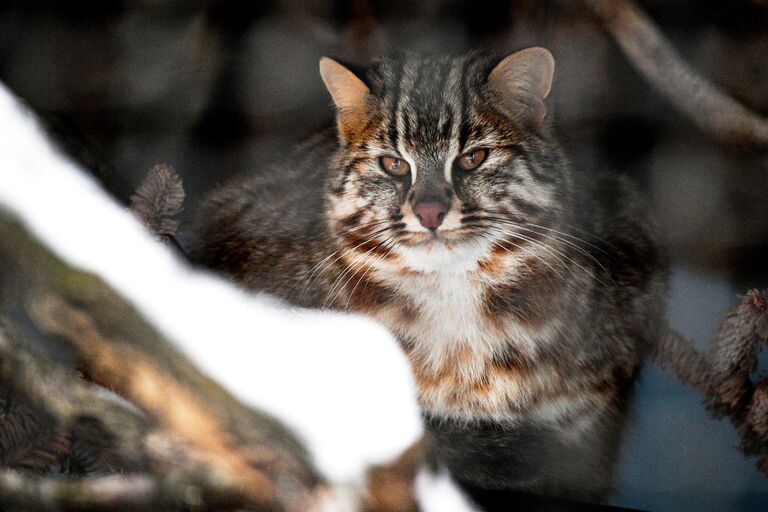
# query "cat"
(525, 294)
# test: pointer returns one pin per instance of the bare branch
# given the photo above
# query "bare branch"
(712, 110)
(733, 354)
(677, 354)
(757, 414)
(723, 374)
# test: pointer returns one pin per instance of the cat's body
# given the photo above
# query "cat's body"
(524, 294)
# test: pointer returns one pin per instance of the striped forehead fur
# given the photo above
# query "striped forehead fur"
(424, 93)
(429, 110)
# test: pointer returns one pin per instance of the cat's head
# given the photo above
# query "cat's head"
(443, 155)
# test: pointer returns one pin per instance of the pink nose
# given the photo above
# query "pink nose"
(430, 215)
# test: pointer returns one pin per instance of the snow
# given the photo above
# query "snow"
(340, 381)
(437, 492)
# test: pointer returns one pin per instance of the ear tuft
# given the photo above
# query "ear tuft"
(522, 81)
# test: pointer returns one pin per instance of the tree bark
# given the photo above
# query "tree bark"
(190, 423)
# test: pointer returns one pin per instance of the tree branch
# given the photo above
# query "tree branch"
(712, 110)
(722, 374)
(115, 492)
(118, 349)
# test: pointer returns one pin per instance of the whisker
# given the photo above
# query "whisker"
(371, 267)
(522, 248)
(559, 254)
(561, 240)
(345, 251)
(576, 247)
(312, 271)
(504, 237)
(572, 226)
(311, 278)
(557, 238)
(574, 237)
(350, 269)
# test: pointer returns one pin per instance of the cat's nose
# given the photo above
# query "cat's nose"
(430, 215)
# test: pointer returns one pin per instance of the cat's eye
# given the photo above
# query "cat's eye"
(394, 166)
(473, 159)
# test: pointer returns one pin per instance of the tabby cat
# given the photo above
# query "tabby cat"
(524, 294)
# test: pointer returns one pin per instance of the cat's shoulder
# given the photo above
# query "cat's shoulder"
(614, 206)
(277, 199)
(294, 179)
(628, 240)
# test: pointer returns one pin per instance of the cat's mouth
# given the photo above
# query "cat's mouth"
(447, 237)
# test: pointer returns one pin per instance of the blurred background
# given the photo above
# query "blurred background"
(216, 88)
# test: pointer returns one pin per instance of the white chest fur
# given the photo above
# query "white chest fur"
(449, 292)
(449, 317)
(453, 338)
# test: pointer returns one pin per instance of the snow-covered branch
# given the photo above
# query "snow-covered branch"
(238, 398)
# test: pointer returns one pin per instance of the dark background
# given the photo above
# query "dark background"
(217, 88)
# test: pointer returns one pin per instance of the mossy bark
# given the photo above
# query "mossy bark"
(54, 314)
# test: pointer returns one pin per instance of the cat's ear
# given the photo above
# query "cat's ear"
(349, 93)
(522, 82)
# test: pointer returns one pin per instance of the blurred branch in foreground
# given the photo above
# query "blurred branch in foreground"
(724, 374)
(193, 428)
(712, 110)
(141, 426)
